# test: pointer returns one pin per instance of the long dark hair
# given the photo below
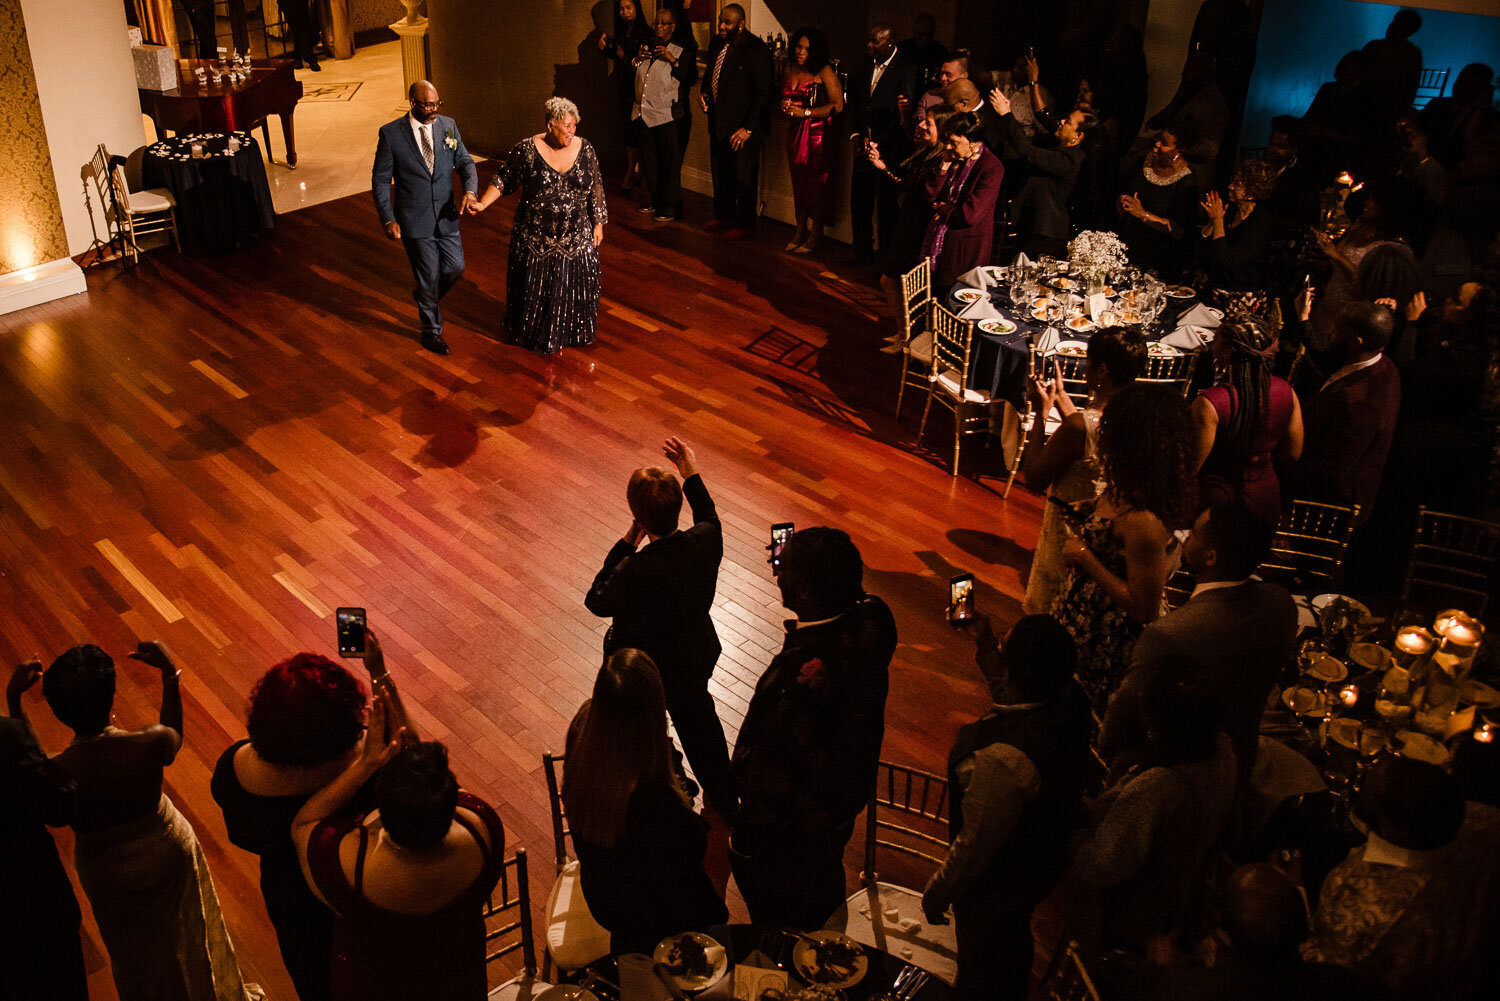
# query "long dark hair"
(628, 32)
(928, 155)
(817, 49)
(1146, 452)
(1250, 342)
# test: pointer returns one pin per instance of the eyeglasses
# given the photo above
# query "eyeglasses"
(434, 105)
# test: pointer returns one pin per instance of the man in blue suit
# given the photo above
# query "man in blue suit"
(420, 151)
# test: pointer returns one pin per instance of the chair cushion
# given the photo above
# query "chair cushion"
(151, 200)
(574, 938)
(920, 348)
(947, 381)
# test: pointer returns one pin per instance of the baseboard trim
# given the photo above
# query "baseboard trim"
(41, 283)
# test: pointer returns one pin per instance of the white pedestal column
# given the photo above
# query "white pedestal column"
(414, 61)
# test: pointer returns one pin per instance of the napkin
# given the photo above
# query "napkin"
(1048, 340)
(1097, 303)
(1187, 338)
(1022, 261)
(1199, 316)
(978, 278)
(981, 310)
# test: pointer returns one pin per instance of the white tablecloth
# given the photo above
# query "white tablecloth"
(904, 933)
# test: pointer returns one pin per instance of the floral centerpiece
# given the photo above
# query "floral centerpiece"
(1092, 255)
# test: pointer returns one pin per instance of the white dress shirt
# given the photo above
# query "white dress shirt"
(879, 71)
(1351, 368)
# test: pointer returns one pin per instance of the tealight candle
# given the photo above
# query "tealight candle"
(1459, 635)
(1349, 695)
(1412, 642)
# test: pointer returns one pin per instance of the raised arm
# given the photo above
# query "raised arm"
(152, 652)
(681, 455)
(382, 684)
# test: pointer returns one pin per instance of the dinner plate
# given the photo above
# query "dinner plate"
(1072, 349)
(1370, 656)
(1321, 601)
(567, 992)
(1063, 283)
(1305, 701)
(810, 965)
(996, 326)
(1080, 323)
(1326, 668)
(1420, 747)
(1040, 315)
(1179, 292)
(1216, 313)
(1156, 349)
(1344, 732)
(995, 275)
(968, 295)
(1477, 693)
(670, 953)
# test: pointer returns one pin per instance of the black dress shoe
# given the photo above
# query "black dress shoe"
(312, 64)
(435, 343)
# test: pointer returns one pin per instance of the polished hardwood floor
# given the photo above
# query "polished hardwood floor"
(219, 451)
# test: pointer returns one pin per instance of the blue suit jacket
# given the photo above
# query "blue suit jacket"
(424, 202)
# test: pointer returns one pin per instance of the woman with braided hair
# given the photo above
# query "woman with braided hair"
(1246, 422)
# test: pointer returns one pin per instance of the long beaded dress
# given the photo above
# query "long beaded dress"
(552, 280)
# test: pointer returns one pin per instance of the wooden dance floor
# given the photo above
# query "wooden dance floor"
(217, 452)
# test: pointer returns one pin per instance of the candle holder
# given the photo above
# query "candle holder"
(1459, 635)
(1412, 644)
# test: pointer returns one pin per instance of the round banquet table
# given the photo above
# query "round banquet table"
(740, 940)
(223, 198)
(998, 363)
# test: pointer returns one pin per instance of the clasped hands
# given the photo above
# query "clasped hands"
(680, 454)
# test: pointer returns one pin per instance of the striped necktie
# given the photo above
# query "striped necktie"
(719, 67)
(428, 157)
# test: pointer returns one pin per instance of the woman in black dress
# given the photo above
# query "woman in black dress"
(640, 846)
(1158, 202)
(552, 282)
(307, 716)
(621, 46)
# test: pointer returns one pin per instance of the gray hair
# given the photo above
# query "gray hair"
(559, 108)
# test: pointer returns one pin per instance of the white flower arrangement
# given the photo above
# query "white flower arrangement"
(1096, 253)
(450, 140)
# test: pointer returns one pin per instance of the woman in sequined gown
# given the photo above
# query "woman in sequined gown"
(552, 281)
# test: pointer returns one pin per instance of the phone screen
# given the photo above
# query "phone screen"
(350, 623)
(961, 598)
(779, 534)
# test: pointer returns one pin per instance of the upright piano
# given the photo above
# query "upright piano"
(271, 89)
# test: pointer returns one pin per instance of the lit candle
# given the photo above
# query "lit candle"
(1344, 178)
(1485, 733)
(1349, 695)
(1459, 634)
(1412, 642)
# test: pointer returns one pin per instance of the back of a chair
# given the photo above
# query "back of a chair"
(952, 339)
(560, 832)
(508, 913)
(1311, 541)
(121, 189)
(916, 291)
(1172, 370)
(1431, 84)
(908, 814)
(1452, 562)
(1072, 981)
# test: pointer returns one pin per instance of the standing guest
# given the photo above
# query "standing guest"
(1417, 906)
(200, 14)
(1293, 201)
(664, 71)
(1231, 638)
(810, 95)
(876, 92)
(407, 881)
(1157, 205)
(1458, 122)
(736, 96)
(1022, 87)
(41, 953)
(1156, 824)
(420, 152)
(1119, 561)
(923, 49)
(807, 752)
(1239, 238)
(1342, 122)
(961, 235)
(660, 599)
(302, 18)
(307, 716)
(1248, 421)
(1040, 207)
(952, 69)
(623, 47)
(552, 278)
(1018, 775)
(1065, 464)
(136, 856)
(1351, 420)
(683, 36)
(640, 846)
(1395, 65)
(911, 175)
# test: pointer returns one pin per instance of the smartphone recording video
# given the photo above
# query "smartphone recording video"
(350, 624)
(961, 598)
(779, 534)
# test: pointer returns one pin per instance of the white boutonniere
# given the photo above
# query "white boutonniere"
(450, 140)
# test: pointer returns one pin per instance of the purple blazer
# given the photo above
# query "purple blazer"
(1349, 429)
(971, 220)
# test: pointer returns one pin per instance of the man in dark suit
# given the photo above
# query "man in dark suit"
(1231, 638)
(807, 753)
(660, 599)
(1040, 207)
(420, 152)
(1351, 420)
(737, 98)
(878, 93)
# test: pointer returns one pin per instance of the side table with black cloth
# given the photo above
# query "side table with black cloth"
(223, 198)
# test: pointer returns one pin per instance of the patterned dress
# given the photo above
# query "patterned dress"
(1105, 632)
(552, 281)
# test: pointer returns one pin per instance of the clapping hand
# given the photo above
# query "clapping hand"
(1131, 205)
(152, 652)
(1213, 205)
(373, 656)
(381, 744)
(680, 454)
(634, 534)
(22, 677)
(1033, 71)
(999, 102)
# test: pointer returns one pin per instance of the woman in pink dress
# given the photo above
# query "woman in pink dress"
(810, 95)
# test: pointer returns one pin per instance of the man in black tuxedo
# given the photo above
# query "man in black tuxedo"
(737, 98)
(879, 93)
(660, 600)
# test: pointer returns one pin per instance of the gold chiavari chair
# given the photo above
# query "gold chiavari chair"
(507, 915)
(1452, 562)
(1071, 981)
(1310, 544)
(1075, 384)
(908, 814)
(952, 346)
(1171, 370)
(916, 341)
